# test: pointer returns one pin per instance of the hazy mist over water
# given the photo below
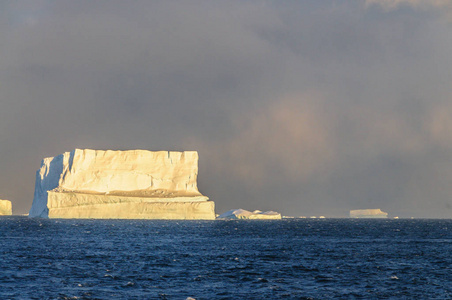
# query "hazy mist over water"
(303, 107)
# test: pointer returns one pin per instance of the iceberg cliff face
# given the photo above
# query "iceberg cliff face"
(5, 208)
(368, 213)
(136, 184)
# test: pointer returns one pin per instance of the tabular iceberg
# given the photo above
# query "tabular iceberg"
(245, 214)
(368, 213)
(133, 184)
(5, 208)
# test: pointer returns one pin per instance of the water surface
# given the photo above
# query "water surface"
(284, 259)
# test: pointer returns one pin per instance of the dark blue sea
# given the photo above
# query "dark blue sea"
(284, 259)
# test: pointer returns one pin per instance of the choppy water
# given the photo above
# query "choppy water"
(287, 259)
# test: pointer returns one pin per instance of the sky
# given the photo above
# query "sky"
(302, 107)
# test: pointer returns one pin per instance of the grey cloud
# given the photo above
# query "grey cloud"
(394, 4)
(310, 107)
(309, 155)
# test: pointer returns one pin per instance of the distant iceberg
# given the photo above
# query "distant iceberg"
(5, 208)
(245, 214)
(368, 213)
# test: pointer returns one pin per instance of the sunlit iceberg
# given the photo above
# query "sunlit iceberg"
(134, 184)
(245, 214)
(5, 208)
(368, 213)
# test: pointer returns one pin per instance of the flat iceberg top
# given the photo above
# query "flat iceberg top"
(245, 214)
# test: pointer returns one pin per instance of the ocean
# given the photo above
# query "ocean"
(280, 259)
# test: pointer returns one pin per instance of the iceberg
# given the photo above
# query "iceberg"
(368, 213)
(132, 184)
(5, 208)
(245, 214)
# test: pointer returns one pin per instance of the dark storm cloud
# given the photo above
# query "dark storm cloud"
(306, 107)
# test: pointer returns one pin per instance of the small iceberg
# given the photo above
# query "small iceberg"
(5, 208)
(368, 213)
(236, 214)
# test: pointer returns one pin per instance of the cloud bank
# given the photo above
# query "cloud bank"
(393, 4)
(308, 108)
